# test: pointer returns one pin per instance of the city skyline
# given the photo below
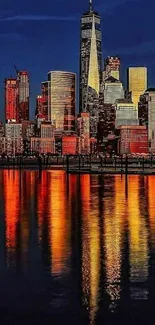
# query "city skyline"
(39, 70)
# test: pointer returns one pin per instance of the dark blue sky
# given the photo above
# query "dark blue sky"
(44, 35)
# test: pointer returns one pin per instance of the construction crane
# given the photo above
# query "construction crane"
(16, 69)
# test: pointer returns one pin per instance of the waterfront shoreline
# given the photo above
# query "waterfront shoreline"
(97, 171)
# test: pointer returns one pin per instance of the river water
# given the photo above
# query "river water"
(77, 249)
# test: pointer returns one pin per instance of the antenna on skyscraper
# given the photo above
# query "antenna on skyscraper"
(90, 4)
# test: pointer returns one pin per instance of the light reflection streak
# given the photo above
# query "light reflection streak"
(59, 223)
(90, 248)
(12, 210)
(114, 220)
(138, 241)
(151, 209)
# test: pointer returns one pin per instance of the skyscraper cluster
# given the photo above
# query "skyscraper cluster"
(110, 119)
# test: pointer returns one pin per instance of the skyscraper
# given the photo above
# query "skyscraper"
(22, 96)
(62, 94)
(90, 65)
(137, 82)
(111, 67)
(10, 99)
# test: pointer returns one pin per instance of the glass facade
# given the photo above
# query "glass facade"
(90, 65)
(137, 82)
(62, 94)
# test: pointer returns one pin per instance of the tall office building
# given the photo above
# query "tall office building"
(22, 96)
(10, 99)
(112, 90)
(111, 67)
(62, 95)
(90, 65)
(136, 82)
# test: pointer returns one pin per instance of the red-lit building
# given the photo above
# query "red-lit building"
(69, 145)
(133, 140)
(45, 100)
(22, 96)
(10, 99)
(39, 101)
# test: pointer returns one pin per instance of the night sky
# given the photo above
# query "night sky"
(40, 36)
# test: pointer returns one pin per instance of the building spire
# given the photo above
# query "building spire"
(90, 5)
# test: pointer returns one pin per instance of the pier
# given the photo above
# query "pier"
(94, 164)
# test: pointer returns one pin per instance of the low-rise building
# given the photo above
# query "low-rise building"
(70, 145)
(13, 138)
(43, 145)
(133, 140)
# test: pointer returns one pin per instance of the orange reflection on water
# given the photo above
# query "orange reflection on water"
(138, 238)
(11, 183)
(59, 222)
(43, 192)
(28, 183)
(90, 247)
(151, 208)
(114, 220)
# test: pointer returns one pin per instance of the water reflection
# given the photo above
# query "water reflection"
(89, 236)
(59, 223)
(90, 246)
(11, 181)
(114, 220)
(138, 240)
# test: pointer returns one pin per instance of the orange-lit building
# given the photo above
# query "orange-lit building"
(61, 102)
(10, 99)
(83, 129)
(133, 139)
(69, 145)
(43, 145)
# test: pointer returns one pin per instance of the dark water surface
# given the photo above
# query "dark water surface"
(76, 251)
